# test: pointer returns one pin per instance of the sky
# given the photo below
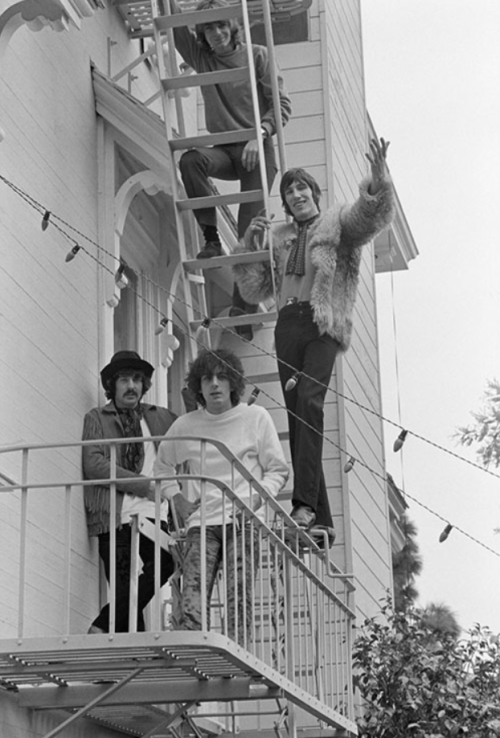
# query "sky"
(432, 76)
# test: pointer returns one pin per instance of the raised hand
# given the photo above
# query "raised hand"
(377, 158)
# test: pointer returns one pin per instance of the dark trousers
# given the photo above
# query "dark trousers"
(224, 162)
(300, 347)
(146, 578)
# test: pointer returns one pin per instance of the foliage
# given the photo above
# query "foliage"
(406, 566)
(441, 619)
(485, 432)
(415, 683)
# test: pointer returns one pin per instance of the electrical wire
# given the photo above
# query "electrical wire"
(54, 222)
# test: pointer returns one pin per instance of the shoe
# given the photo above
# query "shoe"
(304, 516)
(94, 630)
(322, 535)
(245, 331)
(211, 248)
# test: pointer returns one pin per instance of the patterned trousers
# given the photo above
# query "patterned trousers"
(241, 551)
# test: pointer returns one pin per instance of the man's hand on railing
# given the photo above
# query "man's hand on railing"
(182, 509)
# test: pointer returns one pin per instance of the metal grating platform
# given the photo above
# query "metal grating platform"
(145, 681)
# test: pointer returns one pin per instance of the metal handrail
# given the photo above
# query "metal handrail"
(288, 613)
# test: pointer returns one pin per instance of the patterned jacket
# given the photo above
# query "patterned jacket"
(104, 422)
(336, 239)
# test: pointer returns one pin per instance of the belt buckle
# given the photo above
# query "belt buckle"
(291, 301)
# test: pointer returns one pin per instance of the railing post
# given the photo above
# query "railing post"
(134, 574)
(156, 599)
(22, 547)
(203, 540)
(67, 560)
(112, 540)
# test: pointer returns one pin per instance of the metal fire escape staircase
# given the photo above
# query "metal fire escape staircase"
(144, 21)
(157, 683)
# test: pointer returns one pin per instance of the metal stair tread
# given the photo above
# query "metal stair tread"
(194, 203)
(182, 81)
(216, 262)
(193, 17)
(246, 319)
(213, 139)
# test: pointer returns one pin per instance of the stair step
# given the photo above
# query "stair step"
(178, 20)
(262, 378)
(247, 319)
(239, 74)
(216, 262)
(213, 139)
(195, 203)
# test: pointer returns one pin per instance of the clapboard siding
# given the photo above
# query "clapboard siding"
(49, 317)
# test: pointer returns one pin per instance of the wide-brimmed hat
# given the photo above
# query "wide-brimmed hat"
(125, 360)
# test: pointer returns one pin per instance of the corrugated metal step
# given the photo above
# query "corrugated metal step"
(216, 262)
(195, 203)
(246, 319)
(213, 139)
(239, 74)
(187, 18)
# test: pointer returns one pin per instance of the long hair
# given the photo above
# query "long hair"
(299, 175)
(110, 388)
(233, 24)
(221, 361)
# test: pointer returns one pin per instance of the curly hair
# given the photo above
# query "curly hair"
(221, 361)
(298, 175)
(232, 23)
(110, 388)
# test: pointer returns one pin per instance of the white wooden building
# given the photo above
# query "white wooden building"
(81, 140)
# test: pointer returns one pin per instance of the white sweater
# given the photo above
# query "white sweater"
(249, 433)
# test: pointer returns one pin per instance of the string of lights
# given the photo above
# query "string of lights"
(49, 218)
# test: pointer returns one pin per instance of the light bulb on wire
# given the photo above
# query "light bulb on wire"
(398, 443)
(121, 278)
(349, 464)
(162, 326)
(71, 254)
(445, 533)
(253, 397)
(292, 382)
(45, 220)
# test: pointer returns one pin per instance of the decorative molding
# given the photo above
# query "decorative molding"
(39, 14)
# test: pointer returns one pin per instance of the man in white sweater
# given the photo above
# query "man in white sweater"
(216, 379)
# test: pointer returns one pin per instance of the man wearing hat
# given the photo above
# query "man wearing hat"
(125, 380)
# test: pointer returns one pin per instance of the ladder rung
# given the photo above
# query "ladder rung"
(250, 257)
(178, 20)
(247, 319)
(262, 378)
(239, 74)
(195, 203)
(213, 139)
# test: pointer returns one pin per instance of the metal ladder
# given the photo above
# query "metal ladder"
(194, 270)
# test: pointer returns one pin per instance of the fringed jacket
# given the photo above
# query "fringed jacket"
(104, 422)
(335, 240)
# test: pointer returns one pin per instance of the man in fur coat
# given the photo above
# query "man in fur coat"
(317, 258)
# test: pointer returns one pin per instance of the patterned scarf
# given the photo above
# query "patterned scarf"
(132, 453)
(296, 263)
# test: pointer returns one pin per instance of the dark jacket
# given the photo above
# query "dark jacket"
(104, 422)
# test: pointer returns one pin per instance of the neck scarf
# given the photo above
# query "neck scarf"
(296, 263)
(132, 453)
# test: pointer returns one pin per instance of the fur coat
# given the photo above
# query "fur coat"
(335, 239)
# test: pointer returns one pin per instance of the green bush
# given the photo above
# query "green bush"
(416, 682)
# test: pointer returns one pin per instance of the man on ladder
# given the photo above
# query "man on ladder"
(228, 106)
